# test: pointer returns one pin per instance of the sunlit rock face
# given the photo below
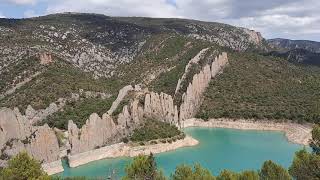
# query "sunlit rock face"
(17, 134)
(191, 99)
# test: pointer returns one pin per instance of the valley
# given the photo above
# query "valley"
(85, 87)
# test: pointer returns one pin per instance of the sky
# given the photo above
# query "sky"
(292, 19)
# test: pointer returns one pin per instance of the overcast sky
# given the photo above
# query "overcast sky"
(293, 19)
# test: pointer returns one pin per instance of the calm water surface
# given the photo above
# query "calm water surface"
(219, 149)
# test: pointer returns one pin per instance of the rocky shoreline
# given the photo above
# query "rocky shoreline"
(295, 133)
(127, 150)
(53, 167)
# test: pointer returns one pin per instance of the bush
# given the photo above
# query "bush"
(272, 171)
(305, 165)
(125, 140)
(153, 129)
(154, 142)
(143, 167)
(79, 112)
(23, 167)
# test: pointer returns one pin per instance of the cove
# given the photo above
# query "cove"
(218, 149)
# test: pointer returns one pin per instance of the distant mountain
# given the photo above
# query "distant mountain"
(296, 51)
(299, 56)
(287, 44)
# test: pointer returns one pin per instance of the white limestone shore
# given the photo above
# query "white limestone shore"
(295, 133)
(126, 150)
(53, 167)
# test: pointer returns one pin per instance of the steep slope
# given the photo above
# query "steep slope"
(263, 87)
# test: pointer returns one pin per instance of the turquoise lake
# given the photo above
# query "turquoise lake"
(218, 149)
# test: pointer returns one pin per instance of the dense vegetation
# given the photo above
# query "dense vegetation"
(143, 168)
(315, 142)
(167, 81)
(58, 81)
(78, 112)
(153, 129)
(259, 87)
(24, 68)
(23, 167)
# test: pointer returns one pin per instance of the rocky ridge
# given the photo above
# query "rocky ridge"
(42, 142)
(100, 131)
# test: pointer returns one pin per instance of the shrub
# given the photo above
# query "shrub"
(125, 140)
(153, 129)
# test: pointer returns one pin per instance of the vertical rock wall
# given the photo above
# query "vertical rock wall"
(191, 99)
(160, 107)
(94, 134)
(17, 134)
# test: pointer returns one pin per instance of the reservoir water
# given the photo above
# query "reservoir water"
(218, 149)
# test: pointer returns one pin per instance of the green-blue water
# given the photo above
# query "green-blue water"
(219, 149)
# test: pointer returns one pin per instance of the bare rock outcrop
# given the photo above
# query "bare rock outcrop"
(12, 126)
(43, 144)
(95, 133)
(35, 116)
(122, 93)
(194, 60)
(191, 100)
(17, 135)
(45, 58)
(161, 107)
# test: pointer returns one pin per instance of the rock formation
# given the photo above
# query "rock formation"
(12, 126)
(17, 134)
(35, 116)
(100, 131)
(45, 58)
(194, 60)
(191, 100)
(160, 107)
(122, 93)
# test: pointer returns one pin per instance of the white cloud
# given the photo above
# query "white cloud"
(22, 2)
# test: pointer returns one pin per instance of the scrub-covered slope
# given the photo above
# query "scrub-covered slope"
(264, 87)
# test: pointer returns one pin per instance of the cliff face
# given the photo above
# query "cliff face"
(17, 134)
(12, 126)
(96, 132)
(191, 99)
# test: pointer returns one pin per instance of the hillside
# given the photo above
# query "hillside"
(49, 58)
(75, 83)
(287, 44)
(263, 87)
